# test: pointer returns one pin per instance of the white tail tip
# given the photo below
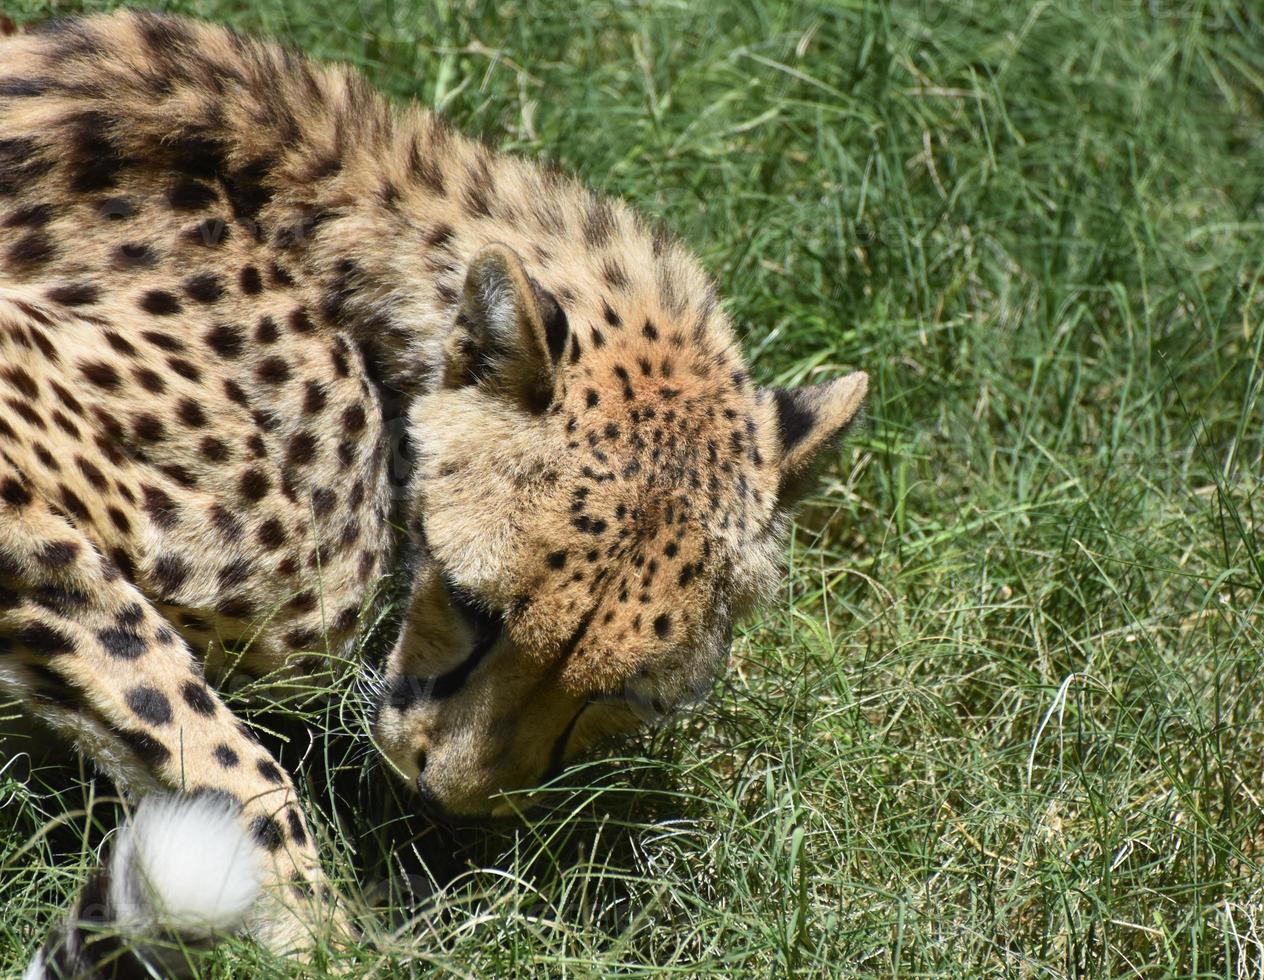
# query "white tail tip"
(184, 865)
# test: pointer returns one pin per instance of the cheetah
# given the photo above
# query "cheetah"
(267, 340)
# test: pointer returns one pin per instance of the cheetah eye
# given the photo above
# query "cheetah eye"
(483, 623)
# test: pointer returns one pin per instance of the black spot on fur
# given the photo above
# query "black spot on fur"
(130, 615)
(226, 522)
(267, 331)
(440, 236)
(338, 356)
(60, 599)
(303, 602)
(30, 250)
(148, 428)
(20, 163)
(301, 449)
(425, 168)
(160, 507)
(148, 749)
(14, 493)
(190, 195)
(94, 161)
(149, 704)
(120, 343)
(353, 418)
(614, 275)
(119, 520)
(123, 644)
(101, 374)
(73, 504)
(598, 223)
(134, 255)
(236, 571)
(44, 641)
(31, 216)
(190, 413)
(20, 379)
(314, 398)
(197, 697)
(271, 534)
(163, 341)
(267, 833)
(184, 368)
(254, 485)
(212, 232)
(236, 607)
(204, 287)
(347, 619)
(170, 574)
(195, 154)
(302, 639)
(295, 822)
(225, 340)
(24, 88)
(246, 190)
(273, 370)
(116, 209)
(159, 302)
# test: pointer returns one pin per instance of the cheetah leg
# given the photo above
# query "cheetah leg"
(87, 653)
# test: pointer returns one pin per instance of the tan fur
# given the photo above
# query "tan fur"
(223, 271)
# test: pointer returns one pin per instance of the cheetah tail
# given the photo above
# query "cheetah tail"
(182, 872)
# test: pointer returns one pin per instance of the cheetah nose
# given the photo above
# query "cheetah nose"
(428, 802)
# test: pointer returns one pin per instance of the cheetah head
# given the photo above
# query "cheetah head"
(598, 496)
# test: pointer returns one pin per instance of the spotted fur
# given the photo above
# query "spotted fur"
(252, 318)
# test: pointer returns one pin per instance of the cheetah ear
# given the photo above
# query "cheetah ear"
(810, 421)
(509, 333)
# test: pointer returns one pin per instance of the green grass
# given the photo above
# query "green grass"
(1006, 716)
